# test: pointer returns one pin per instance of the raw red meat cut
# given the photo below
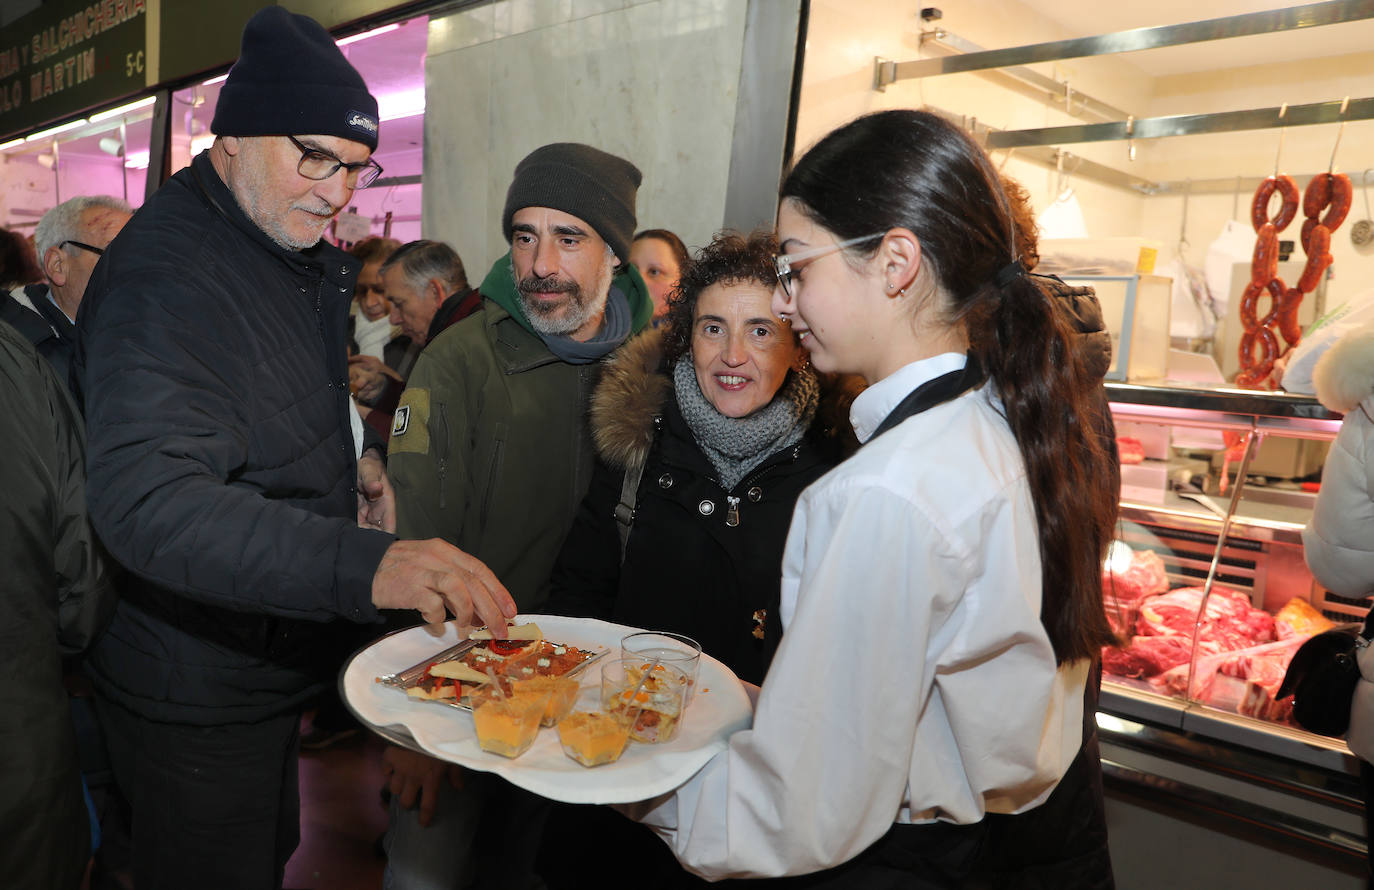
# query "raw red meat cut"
(1129, 449)
(1143, 576)
(1230, 623)
(1147, 656)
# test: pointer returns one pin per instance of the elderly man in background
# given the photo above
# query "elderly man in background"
(70, 240)
(491, 451)
(225, 474)
(427, 290)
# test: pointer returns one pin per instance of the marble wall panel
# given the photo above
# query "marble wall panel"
(655, 81)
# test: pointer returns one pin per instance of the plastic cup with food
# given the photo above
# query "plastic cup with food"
(561, 692)
(682, 652)
(593, 737)
(649, 697)
(507, 725)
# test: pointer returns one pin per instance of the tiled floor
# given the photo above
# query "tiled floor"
(342, 818)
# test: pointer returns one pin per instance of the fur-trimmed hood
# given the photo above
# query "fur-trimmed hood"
(1344, 375)
(633, 390)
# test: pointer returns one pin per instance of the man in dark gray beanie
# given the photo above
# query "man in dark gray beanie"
(491, 451)
(230, 474)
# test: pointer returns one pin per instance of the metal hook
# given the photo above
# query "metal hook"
(1007, 157)
(1345, 103)
(1235, 198)
(1283, 110)
(1065, 176)
(1183, 225)
(1130, 142)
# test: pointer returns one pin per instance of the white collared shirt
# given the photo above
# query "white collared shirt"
(914, 680)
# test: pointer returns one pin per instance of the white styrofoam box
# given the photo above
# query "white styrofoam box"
(1146, 481)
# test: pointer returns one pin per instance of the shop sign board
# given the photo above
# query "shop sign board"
(63, 58)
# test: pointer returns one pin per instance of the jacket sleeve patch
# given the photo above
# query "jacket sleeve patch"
(410, 426)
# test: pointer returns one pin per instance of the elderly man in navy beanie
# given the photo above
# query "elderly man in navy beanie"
(229, 472)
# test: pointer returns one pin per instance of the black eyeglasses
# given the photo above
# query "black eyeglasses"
(320, 165)
(98, 251)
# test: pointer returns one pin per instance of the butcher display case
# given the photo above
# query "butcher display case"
(1209, 590)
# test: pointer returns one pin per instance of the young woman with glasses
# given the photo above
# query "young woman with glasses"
(922, 724)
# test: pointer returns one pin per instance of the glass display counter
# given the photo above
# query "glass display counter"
(1208, 588)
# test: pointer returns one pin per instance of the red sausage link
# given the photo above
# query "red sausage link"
(1257, 369)
(1265, 264)
(1317, 264)
(1259, 208)
(1342, 192)
(1288, 316)
(1318, 195)
(1307, 226)
(1318, 258)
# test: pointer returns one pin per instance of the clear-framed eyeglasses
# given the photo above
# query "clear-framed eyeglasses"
(785, 261)
(320, 165)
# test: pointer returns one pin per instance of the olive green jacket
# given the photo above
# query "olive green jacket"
(490, 448)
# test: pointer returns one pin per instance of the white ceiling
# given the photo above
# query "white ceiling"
(1086, 18)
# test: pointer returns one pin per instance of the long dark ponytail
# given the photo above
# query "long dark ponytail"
(914, 170)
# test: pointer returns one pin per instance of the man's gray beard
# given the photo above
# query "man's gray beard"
(579, 308)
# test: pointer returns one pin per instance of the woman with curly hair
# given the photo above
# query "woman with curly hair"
(706, 430)
(703, 433)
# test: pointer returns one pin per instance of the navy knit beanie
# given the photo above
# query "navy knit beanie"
(588, 183)
(292, 80)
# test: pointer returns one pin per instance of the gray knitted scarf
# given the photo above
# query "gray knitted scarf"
(736, 445)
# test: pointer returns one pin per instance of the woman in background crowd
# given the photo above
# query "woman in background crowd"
(659, 255)
(922, 723)
(372, 329)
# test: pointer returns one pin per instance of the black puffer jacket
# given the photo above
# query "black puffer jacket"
(54, 597)
(222, 467)
(686, 568)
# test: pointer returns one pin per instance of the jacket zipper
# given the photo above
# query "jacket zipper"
(732, 514)
(443, 452)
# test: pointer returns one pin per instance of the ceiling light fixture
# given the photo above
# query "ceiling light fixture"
(136, 160)
(214, 80)
(366, 34)
(123, 109)
(13, 143)
(52, 131)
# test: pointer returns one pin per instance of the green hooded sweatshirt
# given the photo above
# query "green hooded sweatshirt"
(490, 449)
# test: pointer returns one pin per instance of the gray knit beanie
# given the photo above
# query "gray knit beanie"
(588, 183)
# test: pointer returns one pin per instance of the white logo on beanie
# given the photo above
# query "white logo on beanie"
(359, 121)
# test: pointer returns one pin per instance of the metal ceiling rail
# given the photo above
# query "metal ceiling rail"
(1052, 157)
(1312, 15)
(1061, 93)
(1190, 124)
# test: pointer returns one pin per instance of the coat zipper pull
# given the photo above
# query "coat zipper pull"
(732, 515)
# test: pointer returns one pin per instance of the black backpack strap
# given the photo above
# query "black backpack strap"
(625, 510)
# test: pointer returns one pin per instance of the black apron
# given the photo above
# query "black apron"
(1059, 845)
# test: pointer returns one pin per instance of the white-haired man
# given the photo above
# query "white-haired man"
(224, 472)
(69, 240)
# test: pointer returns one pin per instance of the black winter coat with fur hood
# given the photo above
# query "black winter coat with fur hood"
(685, 569)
